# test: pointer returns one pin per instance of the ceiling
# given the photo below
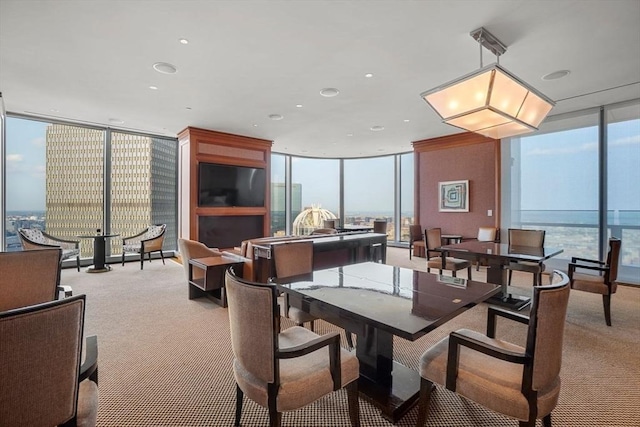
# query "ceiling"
(92, 62)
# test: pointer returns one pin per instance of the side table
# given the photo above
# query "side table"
(211, 284)
(99, 257)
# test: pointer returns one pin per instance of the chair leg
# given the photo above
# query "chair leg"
(123, 258)
(162, 256)
(275, 418)
(527, 423)
(78, 262)
(349, 338)
(354, 403)
(142, 261)
(239, 396)
(426, 387)
(453, 273)
(546, 421)
(311, 326)
(469, 272)
(509, 280)
(606, 302)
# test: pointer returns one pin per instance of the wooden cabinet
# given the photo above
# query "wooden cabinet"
(225, 226)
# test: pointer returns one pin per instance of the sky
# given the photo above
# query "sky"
(559, 172)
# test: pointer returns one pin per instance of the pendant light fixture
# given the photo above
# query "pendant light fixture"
(490, 101)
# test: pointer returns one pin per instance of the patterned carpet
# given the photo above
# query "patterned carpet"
(166, 361)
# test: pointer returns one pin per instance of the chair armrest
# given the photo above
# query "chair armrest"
(494, 312)
(332, 340)
(49, 236)
(89, 368)
(124, 239)
(593, 261)
(573, 266)
(457, 339)
(66, 290)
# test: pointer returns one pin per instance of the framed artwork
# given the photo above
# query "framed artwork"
(454, 196)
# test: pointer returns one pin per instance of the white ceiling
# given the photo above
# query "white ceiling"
(91, 61)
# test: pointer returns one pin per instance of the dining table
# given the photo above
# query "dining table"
(498, 256)
(378, 302)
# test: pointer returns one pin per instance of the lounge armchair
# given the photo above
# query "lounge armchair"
(145, 242)
(33, 238)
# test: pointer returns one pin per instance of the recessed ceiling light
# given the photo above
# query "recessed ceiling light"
(153, 87)
(368, 75)
(184, 41)
(406, 120)
(165, 68)
(298, 105)
(329, 92)
(377, 128)
(53, 110)
(349, 134)
(276, 116)
(188, 108)
(255, 125)
(116, 121)
(556, 75)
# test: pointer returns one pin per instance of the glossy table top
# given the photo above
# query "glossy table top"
(404, 302)
(503, 250)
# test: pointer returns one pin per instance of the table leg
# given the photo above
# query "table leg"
(99, 257)
(496, 273)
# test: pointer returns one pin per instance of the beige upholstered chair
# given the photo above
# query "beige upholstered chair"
(43, 382)
(29, 277)
(32, 238)
(433, 240)
(531, 238)
(191, 249)
(604, 281)
(486, 234)
(146, 242)
(519, 382)
(293, 259)
(283, 371)
(324, 231)
(416, 239)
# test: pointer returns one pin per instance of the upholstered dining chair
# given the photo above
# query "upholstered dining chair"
(416, 238)
(30, 277)
(145, 242)
(519, 382)
(43, 380)
(603, 281)
(33, 238)
(486, 234)
(531, 238)
(191, 249)
(433, 240)
(287, 370)
(292, 259)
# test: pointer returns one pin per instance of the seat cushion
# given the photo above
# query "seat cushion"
(491, 382)
(87, 414)
(303, 380)
(528, 266)
(591, 283)
(70, 253)
(132, 247)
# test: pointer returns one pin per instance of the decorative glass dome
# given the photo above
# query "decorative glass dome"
(310, 219)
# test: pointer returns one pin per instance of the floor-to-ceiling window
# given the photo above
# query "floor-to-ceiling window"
(577, 179)
(59, 178)
(407, 185)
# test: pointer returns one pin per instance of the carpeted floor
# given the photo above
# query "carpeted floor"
(166, 361)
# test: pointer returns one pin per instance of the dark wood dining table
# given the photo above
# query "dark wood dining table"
(498, 256)
(377, 302)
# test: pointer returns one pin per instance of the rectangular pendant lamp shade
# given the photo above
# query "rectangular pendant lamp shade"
(490, 101)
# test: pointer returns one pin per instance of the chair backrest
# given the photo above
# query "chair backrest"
(31, 238)
(487, 234)
(324, 231)
(254, 322)
(546, 332)
(415, 233)
(191, 249)
(28, 277)
(329, 223)
(39, 362)
(613, 258)
(293, 258)
(155, 234)
(380, 226)
(521, 237)
(432, 239)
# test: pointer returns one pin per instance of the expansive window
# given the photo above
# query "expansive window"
(369, 191)
(278, 195)
(55, 180)
(407, 185)
(579, 183)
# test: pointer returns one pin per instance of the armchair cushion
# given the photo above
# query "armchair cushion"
(592, 283)
(303, 379)
(491, 382)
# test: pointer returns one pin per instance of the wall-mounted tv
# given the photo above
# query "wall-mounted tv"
(228, 186)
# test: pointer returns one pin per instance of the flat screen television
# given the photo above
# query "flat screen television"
(228, 186)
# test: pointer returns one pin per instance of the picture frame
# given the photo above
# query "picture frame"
(453, 196)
